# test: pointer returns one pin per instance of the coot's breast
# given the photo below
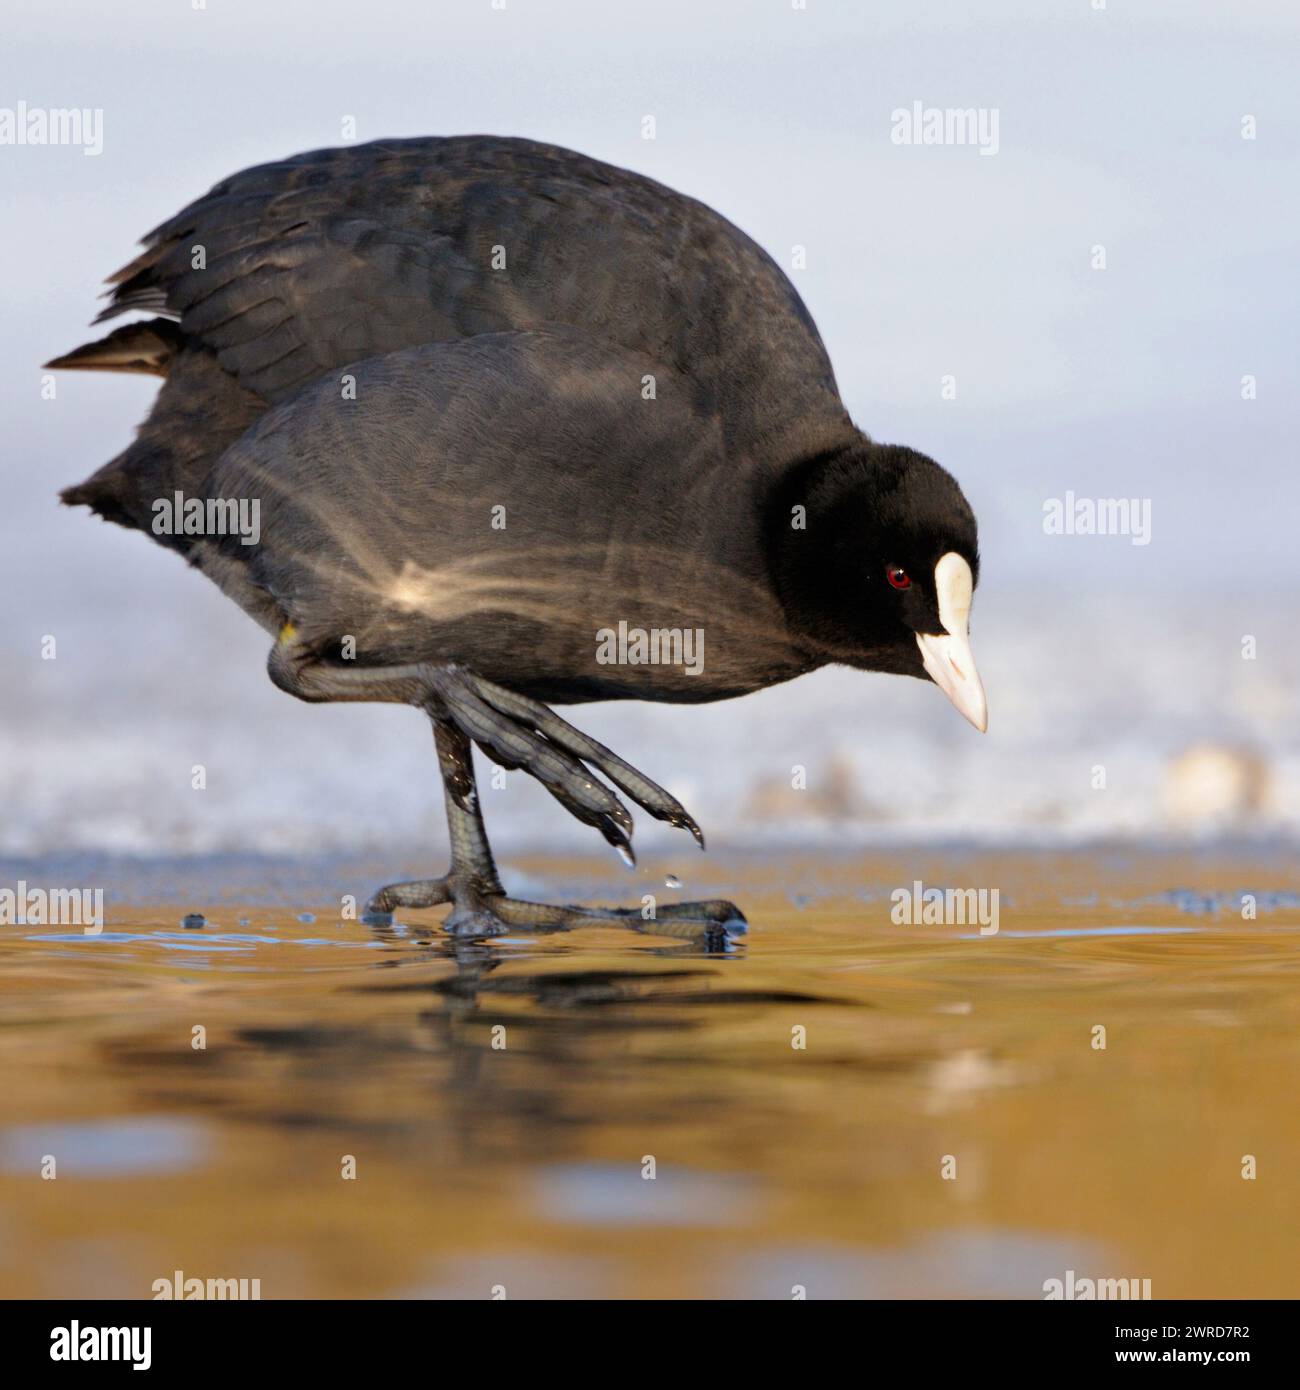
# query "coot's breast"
(511, 503)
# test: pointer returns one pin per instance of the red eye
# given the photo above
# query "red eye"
(899, 578)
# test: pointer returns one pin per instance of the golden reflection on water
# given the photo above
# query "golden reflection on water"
(483, 1166)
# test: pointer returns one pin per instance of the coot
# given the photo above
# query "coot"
(517, 428)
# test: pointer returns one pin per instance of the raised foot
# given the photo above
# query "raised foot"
(516, 732)
(479, 913)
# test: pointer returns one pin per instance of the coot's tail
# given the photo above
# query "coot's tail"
(199, 412)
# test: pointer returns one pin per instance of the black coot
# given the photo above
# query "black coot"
(477, 424)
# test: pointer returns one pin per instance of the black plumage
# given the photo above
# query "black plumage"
(493, 400)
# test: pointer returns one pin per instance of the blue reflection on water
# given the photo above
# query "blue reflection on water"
(115, 1148)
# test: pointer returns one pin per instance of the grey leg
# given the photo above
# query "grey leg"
(518, 733)
(473, 871)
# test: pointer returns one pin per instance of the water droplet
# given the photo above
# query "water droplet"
(626, 856)
(672, 881)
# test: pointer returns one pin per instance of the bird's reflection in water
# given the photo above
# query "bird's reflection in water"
(518, 1047)
(479, 1047)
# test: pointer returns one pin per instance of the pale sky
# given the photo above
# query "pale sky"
(1118, 128)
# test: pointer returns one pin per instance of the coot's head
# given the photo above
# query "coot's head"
(876, 556)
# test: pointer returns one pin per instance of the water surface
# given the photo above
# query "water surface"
(502, 1104)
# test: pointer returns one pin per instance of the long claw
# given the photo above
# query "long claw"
(685, 822)
(614, 835)
(517, 746)
(651, 797)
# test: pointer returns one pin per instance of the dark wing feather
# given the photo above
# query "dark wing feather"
(344, 254)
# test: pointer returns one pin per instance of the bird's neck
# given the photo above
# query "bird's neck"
(797, 511)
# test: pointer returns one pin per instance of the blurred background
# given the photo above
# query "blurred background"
(1122, 703)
